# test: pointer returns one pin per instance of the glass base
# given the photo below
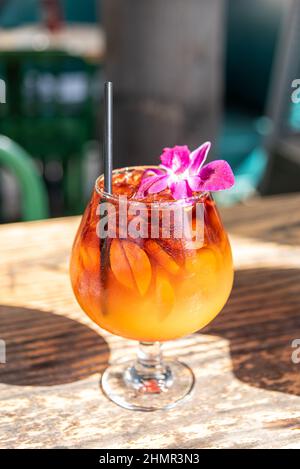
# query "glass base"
(147, 389)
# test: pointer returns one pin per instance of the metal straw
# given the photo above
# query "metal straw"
(108, 136)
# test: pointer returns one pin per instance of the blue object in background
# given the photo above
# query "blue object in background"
(294, 117)
(18, 12)
(240, 143)
(81, 11)
(252, 33)
(247, 176)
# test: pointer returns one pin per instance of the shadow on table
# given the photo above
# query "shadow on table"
(45, 349)
(260, 321)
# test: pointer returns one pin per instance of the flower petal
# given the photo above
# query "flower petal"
(216, 176)
(180, 162)
(160, 183)
(195, 183)
(176, 159)
(157, 171)
(144, 185)
(180, 190)
(197, 158)
(166, 157)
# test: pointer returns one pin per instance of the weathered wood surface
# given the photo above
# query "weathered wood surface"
(247, 392)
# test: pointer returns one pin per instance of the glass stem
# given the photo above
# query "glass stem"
(149, 355)
(149, 374)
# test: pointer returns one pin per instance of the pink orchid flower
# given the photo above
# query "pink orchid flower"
(183, 173)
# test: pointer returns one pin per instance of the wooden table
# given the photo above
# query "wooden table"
(247, 391)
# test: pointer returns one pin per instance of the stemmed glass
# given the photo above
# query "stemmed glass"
(136, 277)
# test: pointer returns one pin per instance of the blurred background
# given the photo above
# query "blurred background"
(183, 72)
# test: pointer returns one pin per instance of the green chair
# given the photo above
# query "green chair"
(34, 199)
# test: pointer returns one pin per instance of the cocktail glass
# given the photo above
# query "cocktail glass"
(151, 285)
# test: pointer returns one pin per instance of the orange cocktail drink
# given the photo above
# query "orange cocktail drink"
(153, 288)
